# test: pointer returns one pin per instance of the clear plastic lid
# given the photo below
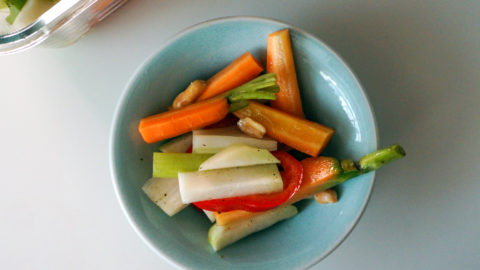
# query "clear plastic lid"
(61, 25)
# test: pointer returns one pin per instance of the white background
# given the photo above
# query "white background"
(418, 61)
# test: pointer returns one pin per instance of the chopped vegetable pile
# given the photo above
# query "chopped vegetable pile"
(226, 150)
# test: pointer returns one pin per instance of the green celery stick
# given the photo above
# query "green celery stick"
(168, 165)
(367, 163)
(377, 159)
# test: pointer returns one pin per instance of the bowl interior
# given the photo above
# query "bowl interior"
(331, 96)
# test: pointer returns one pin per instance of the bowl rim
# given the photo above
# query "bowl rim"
(122, 101)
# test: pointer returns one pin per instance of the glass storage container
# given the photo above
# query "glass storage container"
(61, 25)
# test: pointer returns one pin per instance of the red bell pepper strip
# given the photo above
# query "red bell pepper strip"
(292, 175)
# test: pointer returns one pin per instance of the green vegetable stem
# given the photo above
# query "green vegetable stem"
(369, 162)
(263, 87)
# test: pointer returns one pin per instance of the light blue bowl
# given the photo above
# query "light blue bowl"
(331, 95)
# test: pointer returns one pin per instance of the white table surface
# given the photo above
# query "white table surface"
(418, 61)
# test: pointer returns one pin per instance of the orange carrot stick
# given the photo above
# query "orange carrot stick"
(305, 136)
(173, 123)
(322, 173)
(316, 173)
(225, 218)
(240, 71)
(280, 61)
